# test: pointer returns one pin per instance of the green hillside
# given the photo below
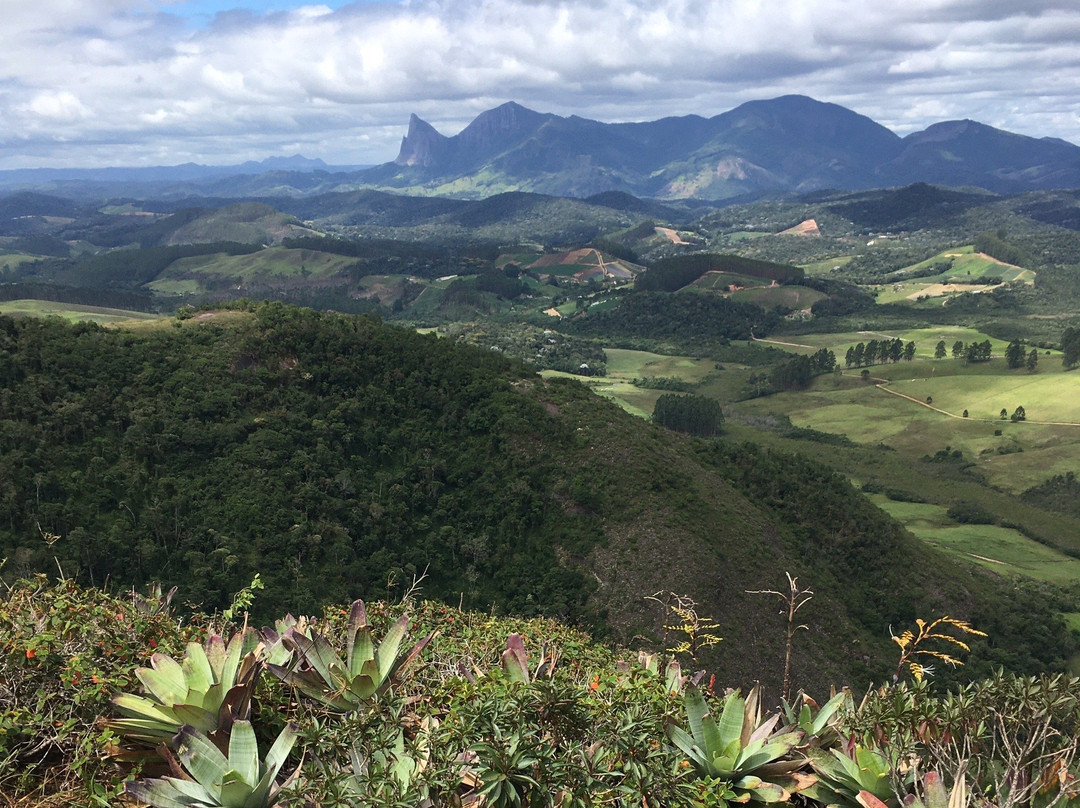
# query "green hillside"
(338, 457)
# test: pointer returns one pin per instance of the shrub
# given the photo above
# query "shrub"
(64, 651)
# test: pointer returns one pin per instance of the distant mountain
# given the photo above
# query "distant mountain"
(784, 144)
(791, 143)
(296, 173)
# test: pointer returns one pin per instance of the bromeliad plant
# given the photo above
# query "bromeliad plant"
(318, 672)
(739, 750)
(214, 780)
(208, 690)
(846, 780)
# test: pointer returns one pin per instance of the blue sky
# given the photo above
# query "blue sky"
(206, 9)
(161, 82)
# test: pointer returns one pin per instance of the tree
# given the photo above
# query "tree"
(823, 361)
(694, 414)
(1014, 354)
(1004, 413)
(1033, 360)
(872, 352)
(958, 349)
(896, 350)
(909, 351)
(965, 413)
(939, 350)
(978, 352)
(1018, 414)
(857, 355)
(793, 374)
(1070, 347)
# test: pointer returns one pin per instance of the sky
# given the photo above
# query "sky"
(91, 83)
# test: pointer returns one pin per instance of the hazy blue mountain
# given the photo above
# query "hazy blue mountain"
(784, 144)
(791, 143)
(971, 153)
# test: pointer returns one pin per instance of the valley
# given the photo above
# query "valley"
(871, 346)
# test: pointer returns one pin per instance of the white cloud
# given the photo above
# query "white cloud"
(341, 84)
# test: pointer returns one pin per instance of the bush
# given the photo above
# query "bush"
(64, 652)
(971, 513)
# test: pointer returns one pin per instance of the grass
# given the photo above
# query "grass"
(720, 281)
(998, 548)
(1023, 455)
(827, 266)
(792, 297)
(273, 261)
(15, 260)
(72, 312)
(925, 339)
(628, 364)
(968, 266)
(175, 286)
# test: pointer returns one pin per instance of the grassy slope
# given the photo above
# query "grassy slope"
(1022, 455)
(71, 312)
(274, 262)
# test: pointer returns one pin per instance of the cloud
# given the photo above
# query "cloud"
(108, 81)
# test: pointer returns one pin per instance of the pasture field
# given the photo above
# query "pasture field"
(721, 281)
(174, 286)
(273, 261)
(828, 265)
(925, 339)
(15, 260)
(564, 270)
(522, 259)
(1001, 549)
(968, 266)
(73, 312)
(791, 297)
(1022, 455)
(627, 364)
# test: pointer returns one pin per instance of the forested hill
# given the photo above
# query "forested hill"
(338, 457)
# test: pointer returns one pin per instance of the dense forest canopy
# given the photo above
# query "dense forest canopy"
(339, 457)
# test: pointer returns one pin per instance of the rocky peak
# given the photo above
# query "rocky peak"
(506, 123)
(422, 146)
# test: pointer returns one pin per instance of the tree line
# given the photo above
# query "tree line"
(879, 352)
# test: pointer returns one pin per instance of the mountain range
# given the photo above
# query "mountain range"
(791, 143)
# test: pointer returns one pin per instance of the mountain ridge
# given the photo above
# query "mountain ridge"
(792, 143)
(789, 143)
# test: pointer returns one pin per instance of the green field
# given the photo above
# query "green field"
(1001, 549)
(72, 312)
(175, 286)
(826, 266)
(271, 262)
(925, 340)
(625, 365)
(14, 260)
(968, 266)
(791, 297)
(1022, 455)
(991, 468)
(721, 281)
